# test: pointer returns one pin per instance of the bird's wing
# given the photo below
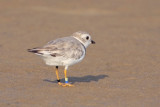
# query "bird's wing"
(67, 48)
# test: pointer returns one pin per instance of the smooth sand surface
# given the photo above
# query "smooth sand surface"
(121, 70)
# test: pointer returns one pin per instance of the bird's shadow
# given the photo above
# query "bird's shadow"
(87, 78)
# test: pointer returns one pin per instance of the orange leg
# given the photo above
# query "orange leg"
(58, 80)
(66, 79)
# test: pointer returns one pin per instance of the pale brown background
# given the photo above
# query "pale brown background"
(121, 70)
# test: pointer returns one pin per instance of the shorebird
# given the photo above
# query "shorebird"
(65, 52)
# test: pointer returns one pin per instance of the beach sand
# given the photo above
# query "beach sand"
(120, 70)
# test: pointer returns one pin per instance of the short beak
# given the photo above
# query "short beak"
(93, 42)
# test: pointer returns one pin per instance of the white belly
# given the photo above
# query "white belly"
(61, 61)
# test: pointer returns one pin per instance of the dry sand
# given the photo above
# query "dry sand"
(121, 70)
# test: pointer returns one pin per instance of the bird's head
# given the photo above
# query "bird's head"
(84, 38)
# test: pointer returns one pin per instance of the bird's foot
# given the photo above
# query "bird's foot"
(59, 83)
(65, 85)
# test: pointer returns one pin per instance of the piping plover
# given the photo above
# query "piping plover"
(65, 52)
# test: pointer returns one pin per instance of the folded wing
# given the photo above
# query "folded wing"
(67, 48)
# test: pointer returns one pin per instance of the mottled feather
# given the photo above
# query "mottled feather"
(67, 47)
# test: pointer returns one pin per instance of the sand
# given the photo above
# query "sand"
(121, 70)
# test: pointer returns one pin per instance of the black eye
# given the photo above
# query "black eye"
(87, 37)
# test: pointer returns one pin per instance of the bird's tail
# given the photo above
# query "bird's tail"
(32, 50)
(35, 50)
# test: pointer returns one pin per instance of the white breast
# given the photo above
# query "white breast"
(62, 61)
